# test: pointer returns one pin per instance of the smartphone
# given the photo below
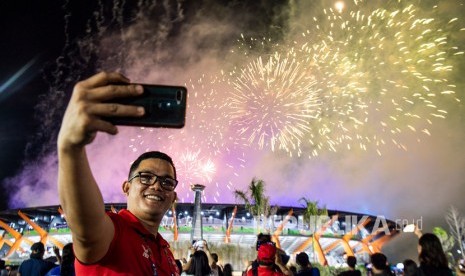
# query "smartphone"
(198, 245)
(165, 106)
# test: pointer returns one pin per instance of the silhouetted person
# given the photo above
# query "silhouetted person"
(410, 268)
(3, 271)
(216, 269)
(198, 264)
(35, 265)
(227, 270)
(266, 257)
(380, 266)
(66, 268)
(305, 267)
(351, 262)
(433, 260)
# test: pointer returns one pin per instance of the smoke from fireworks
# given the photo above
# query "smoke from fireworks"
(359, 77)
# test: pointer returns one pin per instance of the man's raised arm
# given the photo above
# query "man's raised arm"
(80, 196)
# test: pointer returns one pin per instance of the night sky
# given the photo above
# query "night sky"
(32, 37)
(354, 110)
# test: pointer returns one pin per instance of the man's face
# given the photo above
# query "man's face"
(150, 203)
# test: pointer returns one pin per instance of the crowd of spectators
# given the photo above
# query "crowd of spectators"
(270, 260)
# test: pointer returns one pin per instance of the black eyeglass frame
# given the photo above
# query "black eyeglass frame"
(160, 179)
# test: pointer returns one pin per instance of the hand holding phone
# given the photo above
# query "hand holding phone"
(165, 106)
(199, 245)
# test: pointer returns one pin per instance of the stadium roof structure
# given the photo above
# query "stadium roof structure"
(326, 238)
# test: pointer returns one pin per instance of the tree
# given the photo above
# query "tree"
(257, 203)
(313, 215)
(447, 241)
(457, 227)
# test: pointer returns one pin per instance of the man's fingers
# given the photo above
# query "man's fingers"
(104, 87)
(108, 92)
(115, 110)
(89, 106)
(102, 79)
(104, 126)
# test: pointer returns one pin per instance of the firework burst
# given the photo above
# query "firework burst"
(381, 73)
(195, 168)
(202, 147)
(273, 103)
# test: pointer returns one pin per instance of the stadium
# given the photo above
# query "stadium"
(356, 106)
(229, 229)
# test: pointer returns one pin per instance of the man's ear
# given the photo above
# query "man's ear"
(125, 187)
(175, 198)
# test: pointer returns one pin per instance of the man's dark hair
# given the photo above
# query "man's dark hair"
(379, 261)
(37, 250)
(351, 261)
(150, 155)
(262, 238)
(302, 259)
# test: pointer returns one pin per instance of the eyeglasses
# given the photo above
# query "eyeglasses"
(149, 179)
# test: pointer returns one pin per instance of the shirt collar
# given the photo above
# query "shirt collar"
(134, 222)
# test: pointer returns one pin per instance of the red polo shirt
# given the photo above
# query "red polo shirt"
(133, 251)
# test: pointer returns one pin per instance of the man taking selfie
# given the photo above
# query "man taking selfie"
(127, 243)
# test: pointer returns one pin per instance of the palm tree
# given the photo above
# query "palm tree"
(312, 210)
(311, 214)
(256, 202)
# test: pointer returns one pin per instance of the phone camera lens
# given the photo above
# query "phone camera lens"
(179, 95)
